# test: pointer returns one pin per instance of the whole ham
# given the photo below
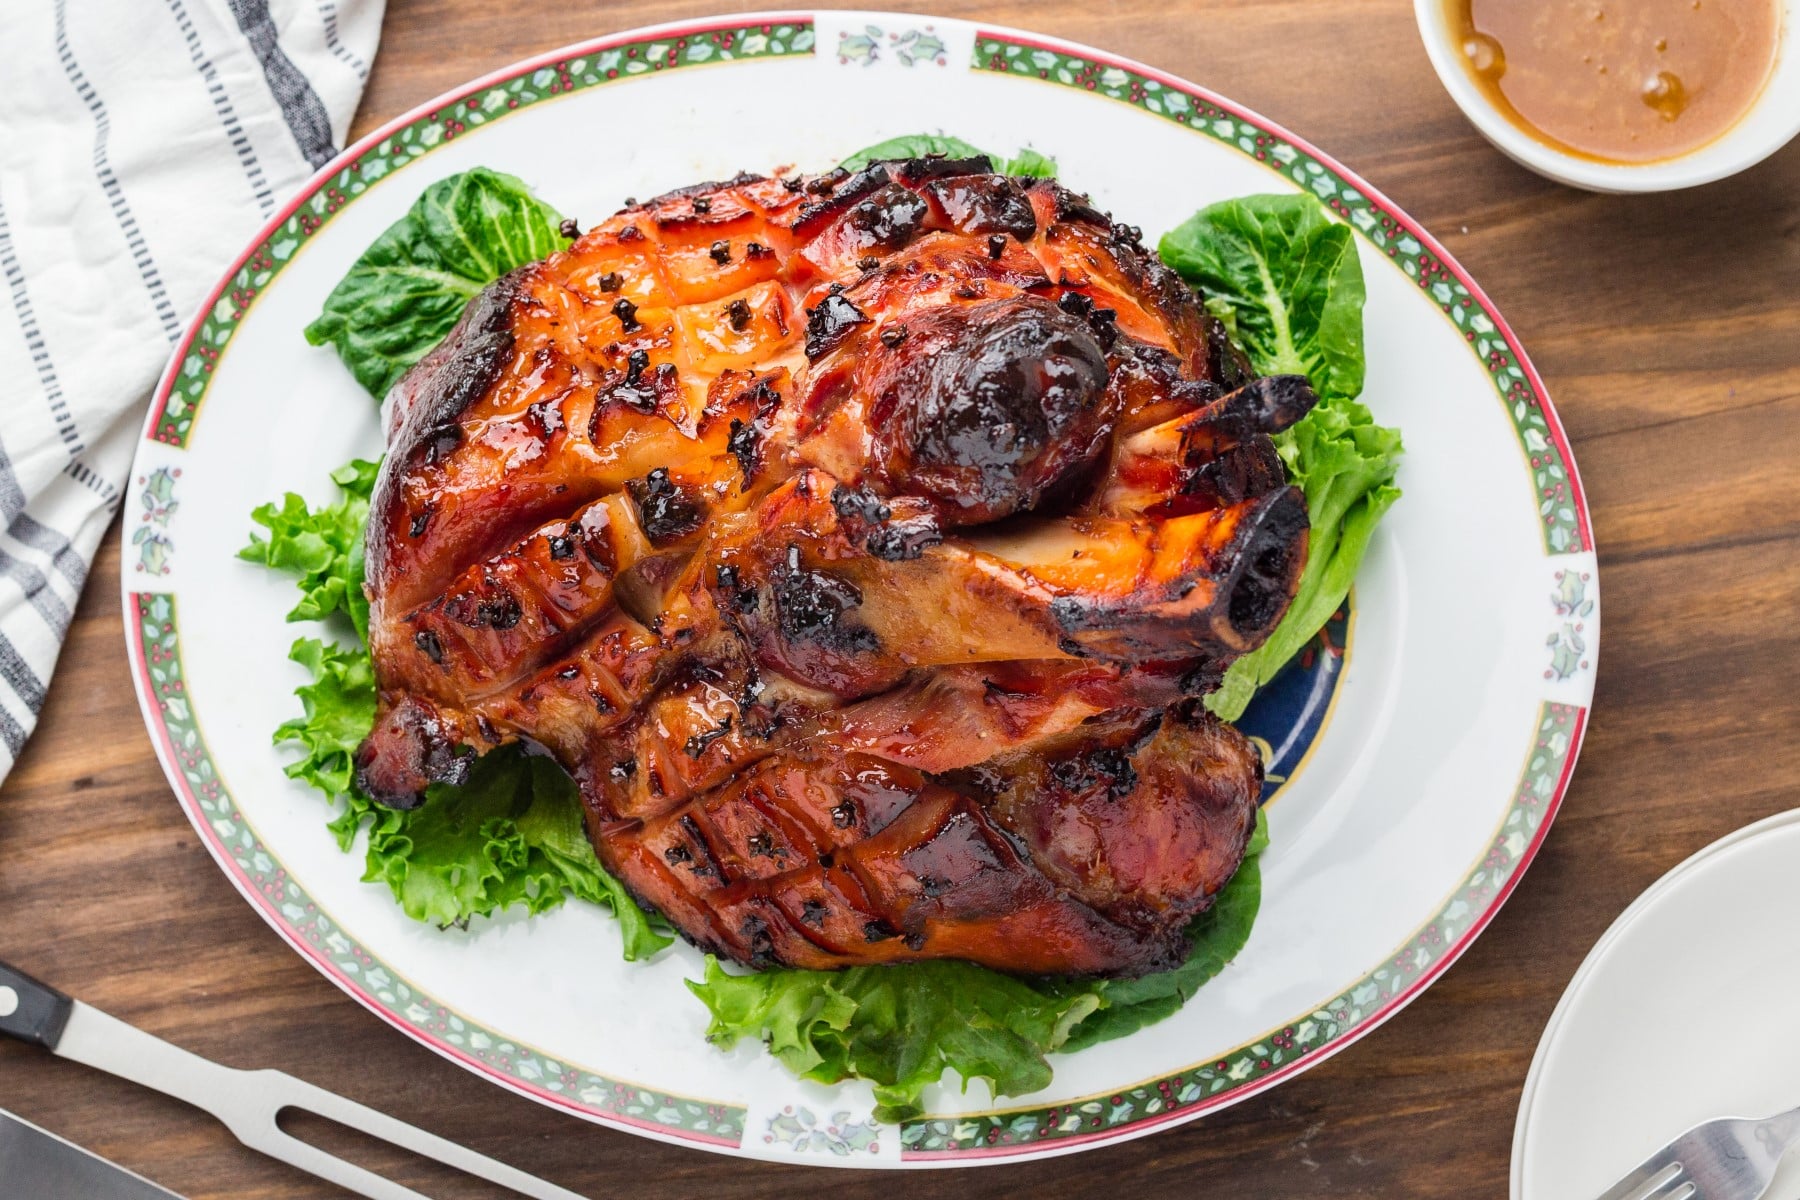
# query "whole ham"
(861, 545)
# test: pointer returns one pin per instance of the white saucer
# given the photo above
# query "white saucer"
(1685, 1010)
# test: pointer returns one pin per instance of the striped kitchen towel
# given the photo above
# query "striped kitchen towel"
(142, 143)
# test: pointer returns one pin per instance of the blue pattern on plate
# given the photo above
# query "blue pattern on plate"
(1289, 713)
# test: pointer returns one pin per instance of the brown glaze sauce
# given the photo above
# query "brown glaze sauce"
(1619, 80)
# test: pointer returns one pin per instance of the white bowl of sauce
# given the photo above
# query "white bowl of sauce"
(1622, 95)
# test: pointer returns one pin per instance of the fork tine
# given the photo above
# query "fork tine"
(1737, 1157)
(1667, 1184)
(289, 1149)
(1647, 1181)
(285, 1091)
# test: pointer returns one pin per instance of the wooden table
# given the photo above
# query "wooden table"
(1668, 330)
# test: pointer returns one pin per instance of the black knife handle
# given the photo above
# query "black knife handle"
(31, 1011)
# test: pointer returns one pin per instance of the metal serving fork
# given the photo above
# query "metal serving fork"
(1731, 1158)
(249, 1103)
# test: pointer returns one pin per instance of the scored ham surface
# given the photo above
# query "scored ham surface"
(859, 544)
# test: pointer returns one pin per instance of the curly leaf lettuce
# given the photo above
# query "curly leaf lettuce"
(410, 286)
(1287, 282)
(338, 710)
(898, 1027)
(901, 1027)
(511, 834)
(323, 546)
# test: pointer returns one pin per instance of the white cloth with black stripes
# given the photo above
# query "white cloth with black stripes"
(142, 144)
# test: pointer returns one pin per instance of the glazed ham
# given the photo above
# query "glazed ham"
(860, 544)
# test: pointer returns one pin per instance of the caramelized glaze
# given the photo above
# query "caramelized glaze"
(860, 545)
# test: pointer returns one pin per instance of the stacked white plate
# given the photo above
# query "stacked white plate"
(1687, 1009)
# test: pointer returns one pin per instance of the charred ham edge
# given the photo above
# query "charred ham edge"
(1201, 459)
(430, 397)
(1088, 857)
(1170, 797)
(855, 541)
(898, 180)
(1210, 583)
(412, 746)
(934, 721)
(501, 617)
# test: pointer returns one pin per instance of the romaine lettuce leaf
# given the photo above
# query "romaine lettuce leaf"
(410, 286)
(1027, 162)
(1287, 282)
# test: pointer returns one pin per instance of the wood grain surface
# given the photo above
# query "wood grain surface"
(1668, 330)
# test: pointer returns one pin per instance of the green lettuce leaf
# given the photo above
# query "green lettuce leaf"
(1287, 282)
(410, 286)
(1030, 164)
(509, 835)
(1027, 162)
(323, 546)
(912, 145)
(1345, 464)
(339, 710)
(898, 1027)
(901, 1027)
